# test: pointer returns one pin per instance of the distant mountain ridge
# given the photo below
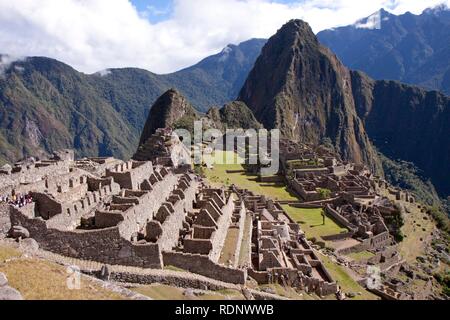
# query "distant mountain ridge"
(217, 79)
(47, 105)
(410, 48)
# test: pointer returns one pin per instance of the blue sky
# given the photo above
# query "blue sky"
(163, 36)
(160, 10)
(155, 10)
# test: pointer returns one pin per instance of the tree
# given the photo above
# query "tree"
(324, 193)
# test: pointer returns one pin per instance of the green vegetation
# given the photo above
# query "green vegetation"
(227, 174)
(172, 268)
(199, 170)
(237, 115)
(297, 164)
(102, 115)
(363, 255)
(186, 122)
(441, 218)
(245, 244)
(444, 280)
(417, 229)
(311, 222)
(395, 223)
(345, 281)
(406, 175)
(324, 193)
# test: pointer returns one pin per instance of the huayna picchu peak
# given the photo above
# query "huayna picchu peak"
(301, 88)
(169, 110)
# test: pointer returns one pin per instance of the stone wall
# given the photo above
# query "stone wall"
(384, 259)
(137, 217)
(379, 241)
(305, 195)
(193, 281)
(174, 222)
(219, 236)
(340, 236)
(66, 216)
(131, 174)
(248, 234)
(202, 265)
(242, 217)
(339, 219)
(5, 222)
(104, 245)
(33, 174)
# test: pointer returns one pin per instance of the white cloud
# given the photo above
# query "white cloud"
(94, 35)
(6, 61)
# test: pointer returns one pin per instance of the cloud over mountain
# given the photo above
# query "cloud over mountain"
(98, 34)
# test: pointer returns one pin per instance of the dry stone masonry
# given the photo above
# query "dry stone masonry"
(153, 212)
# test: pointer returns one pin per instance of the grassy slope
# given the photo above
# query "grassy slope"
(228, 174)
(345, 281)
(229, 248)
(219, 176)
(37, 279)
(358, 256)
(163, 292)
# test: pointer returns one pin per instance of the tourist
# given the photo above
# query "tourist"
(17, 200)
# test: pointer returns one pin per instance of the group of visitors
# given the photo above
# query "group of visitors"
(16, 200)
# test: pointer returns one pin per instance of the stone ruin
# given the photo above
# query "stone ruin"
(311, 170)
(164, 147)
(154, 214)
(280, 252)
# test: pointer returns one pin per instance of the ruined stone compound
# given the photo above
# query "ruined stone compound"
(154, 212)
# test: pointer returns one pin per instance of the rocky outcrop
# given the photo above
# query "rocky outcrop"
(171, 110)
(300, 87)
(234, 115)
(6, 292)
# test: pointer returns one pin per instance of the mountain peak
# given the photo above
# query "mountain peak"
(373, 21)
(298, 28)
(299, 87)
(437, 9)
(170, 108)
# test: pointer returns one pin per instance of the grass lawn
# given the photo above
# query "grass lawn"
(363, 255)
(8, 253)
(229, 248)
(311, 222)
(172, 268)
(345, 281)
(417, 233)
(164, 292)
(245, 244)
(228, 174)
